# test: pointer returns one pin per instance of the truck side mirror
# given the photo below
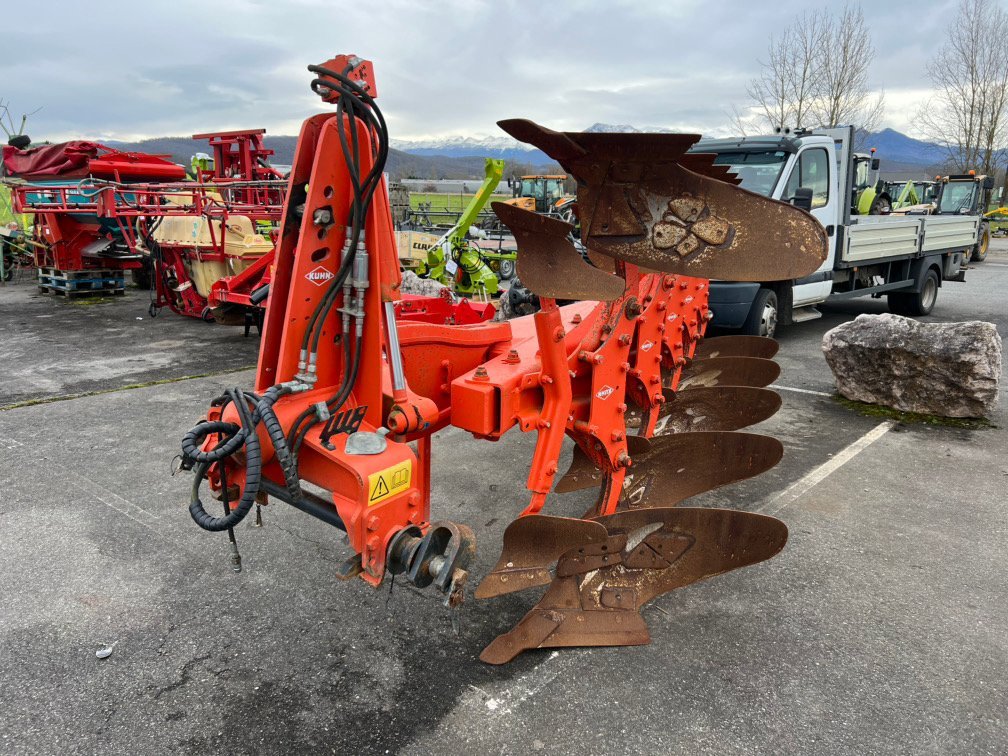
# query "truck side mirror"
(988, 182)
(803, 198)
(874, 164)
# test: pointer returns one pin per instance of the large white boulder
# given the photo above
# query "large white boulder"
(945, 369)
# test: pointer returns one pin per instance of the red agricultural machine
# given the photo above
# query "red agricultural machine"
(348, 398)
(79, 239)
(214, 261)
(201, 241)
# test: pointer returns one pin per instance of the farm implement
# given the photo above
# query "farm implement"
(78, 239)
(348, 397)
(213, 261)
(454, 259)
(97, 208)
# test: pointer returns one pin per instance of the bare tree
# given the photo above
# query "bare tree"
(816, 74)
(808, 37)
(769, 90)
(843, 93)
(970, 77)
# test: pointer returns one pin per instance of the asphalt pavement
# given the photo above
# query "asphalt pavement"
(881, 628)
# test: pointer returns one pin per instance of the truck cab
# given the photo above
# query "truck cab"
(777, 166)
(904, 258)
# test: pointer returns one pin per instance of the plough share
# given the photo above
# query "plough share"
(347, 397)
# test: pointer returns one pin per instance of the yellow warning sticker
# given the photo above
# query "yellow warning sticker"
(389, 482)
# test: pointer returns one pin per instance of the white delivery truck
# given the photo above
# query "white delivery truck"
(906, 257)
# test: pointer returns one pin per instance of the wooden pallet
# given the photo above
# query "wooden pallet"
(80, 283)
(86, 273)
(72, 293)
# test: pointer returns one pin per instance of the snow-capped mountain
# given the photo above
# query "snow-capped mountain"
(459, 142)
(502, 147)
(497, 146)
(896, 149)
(624, 128)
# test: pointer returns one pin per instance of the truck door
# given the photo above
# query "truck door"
(812, 169)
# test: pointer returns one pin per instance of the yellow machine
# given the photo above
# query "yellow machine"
(542, 193)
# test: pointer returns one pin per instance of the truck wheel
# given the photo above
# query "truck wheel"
(916, 303)
(980, 250)
(762, 320)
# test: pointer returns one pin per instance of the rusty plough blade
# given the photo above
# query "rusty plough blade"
(644, 202)
(729, 371)
(716, 408)
(549, 264)
(637, 202)
(737, 346)
(682, 465)
(532, 546)
(600, 585)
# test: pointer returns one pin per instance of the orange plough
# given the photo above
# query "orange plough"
(348, 397)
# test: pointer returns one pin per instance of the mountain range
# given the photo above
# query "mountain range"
(462, 157)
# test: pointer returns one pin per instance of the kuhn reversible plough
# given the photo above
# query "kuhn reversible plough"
(347, 398)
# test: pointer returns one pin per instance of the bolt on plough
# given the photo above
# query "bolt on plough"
(348, 397)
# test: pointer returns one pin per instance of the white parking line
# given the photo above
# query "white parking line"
(811, 479)
(800, 391)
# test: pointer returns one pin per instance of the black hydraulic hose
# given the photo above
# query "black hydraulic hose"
(253, 476)
(355, 223)
(335, 404)
(363, 191)
(296, 435)
(353, 169)
(192, 441)
(287, 462)
(235, 437)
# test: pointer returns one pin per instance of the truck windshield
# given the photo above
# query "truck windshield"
(957, 197)
(759, 171)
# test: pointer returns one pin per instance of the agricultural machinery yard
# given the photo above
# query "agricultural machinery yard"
(881, 627)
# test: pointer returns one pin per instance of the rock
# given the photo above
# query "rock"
(425, 287)
(945, 369)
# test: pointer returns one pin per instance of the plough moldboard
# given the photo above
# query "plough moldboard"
(348, 397)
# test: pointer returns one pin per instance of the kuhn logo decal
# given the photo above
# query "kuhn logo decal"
(605, 392)
(646, 346)
(319, 275)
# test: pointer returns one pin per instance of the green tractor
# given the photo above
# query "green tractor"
(869, 195)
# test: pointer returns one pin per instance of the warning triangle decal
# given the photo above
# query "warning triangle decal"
(379, 490)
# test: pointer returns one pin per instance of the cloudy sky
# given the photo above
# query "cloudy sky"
(133, 69)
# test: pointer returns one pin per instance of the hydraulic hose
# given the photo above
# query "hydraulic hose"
(253, 476)
(236, 437)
